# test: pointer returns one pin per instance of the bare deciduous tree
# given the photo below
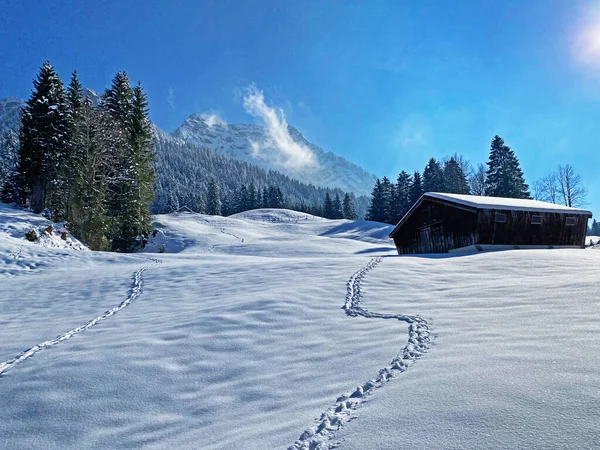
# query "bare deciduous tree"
(537, 191)
(477, 180)
(549, 187)
(571, 187)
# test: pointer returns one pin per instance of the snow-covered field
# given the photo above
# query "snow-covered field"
(241, 340)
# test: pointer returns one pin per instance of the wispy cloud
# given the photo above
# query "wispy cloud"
(213, 119)
(292, 155)
(171, 97)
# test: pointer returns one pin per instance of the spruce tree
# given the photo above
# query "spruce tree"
(328, 206)
(433, 177)
(136, 221)
(117, 105)
(213, 199)
(43, 139)
(265, 198)
(455, 180)
(377, 210)
(252, 197)
(90, 140)
(504, 177)
(416, 189)
(387, 189)
(336, 207)
(402, 196)
(348, 208)
(67, 176)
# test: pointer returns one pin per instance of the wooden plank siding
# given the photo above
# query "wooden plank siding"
(518, 229)
(438, 226)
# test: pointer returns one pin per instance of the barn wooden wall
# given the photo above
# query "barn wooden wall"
(437, 226)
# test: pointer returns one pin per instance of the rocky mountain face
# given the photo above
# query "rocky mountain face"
(245, 142)
(256, 144)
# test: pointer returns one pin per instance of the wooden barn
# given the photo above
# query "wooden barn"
(441, 223)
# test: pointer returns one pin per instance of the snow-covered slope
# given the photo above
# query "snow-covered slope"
(235, 140)
(10, 114)
(271, 329)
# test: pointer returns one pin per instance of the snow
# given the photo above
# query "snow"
(511, 204)
(236, 141)
(277, 329)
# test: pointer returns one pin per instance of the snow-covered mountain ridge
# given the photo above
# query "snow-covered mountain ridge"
(237, 141)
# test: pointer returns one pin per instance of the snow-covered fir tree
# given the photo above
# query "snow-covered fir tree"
(455, 180)
(504, 177)
(213, 199)
(43, 139)
(336, 208)
(433, 177)
(348, 208)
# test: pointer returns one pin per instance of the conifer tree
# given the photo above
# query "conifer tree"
(241, 200)
(336, 207)
(348, 207)
(213, 199)
(252, 198)
(67, 176)
(265, 198)
(387, 188)
(504, 177)
(90, 140)
(594, 229)
(117, 105)
(328, 206)
(416, 188)
(377, 209)
(402, 196)
(136, 220)
(433, 177)
(43, 138)
(455, 180)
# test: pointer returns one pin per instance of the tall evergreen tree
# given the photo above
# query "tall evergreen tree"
(348, 208)
(43, 138)
(402, 197)
(416, 188)
(504, 177)
(136, 220)
(328, 206)
(387, 189)
(336, 206)
(377, 210)
(265, 198)
(433, 177)
(117, 105)
(455, 180)
(213, 199)
(90, 140)
(252, 197)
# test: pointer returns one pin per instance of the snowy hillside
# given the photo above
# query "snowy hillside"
(273, 329)
(10, 114)
(239, 141)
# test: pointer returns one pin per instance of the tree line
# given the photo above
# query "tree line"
(246, 198)
(208, 182)
(90, 166)
(501, 176)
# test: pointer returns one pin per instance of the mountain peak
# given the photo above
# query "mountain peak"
(266, 148)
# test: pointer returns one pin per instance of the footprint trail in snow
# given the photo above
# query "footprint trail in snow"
(320, 436)
(135, 290)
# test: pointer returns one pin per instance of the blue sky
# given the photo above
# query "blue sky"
(386, 84)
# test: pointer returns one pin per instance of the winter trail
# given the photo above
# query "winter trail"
(320, 436)
(135, 290)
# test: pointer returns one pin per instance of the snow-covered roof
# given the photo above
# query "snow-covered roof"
(511, 204)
